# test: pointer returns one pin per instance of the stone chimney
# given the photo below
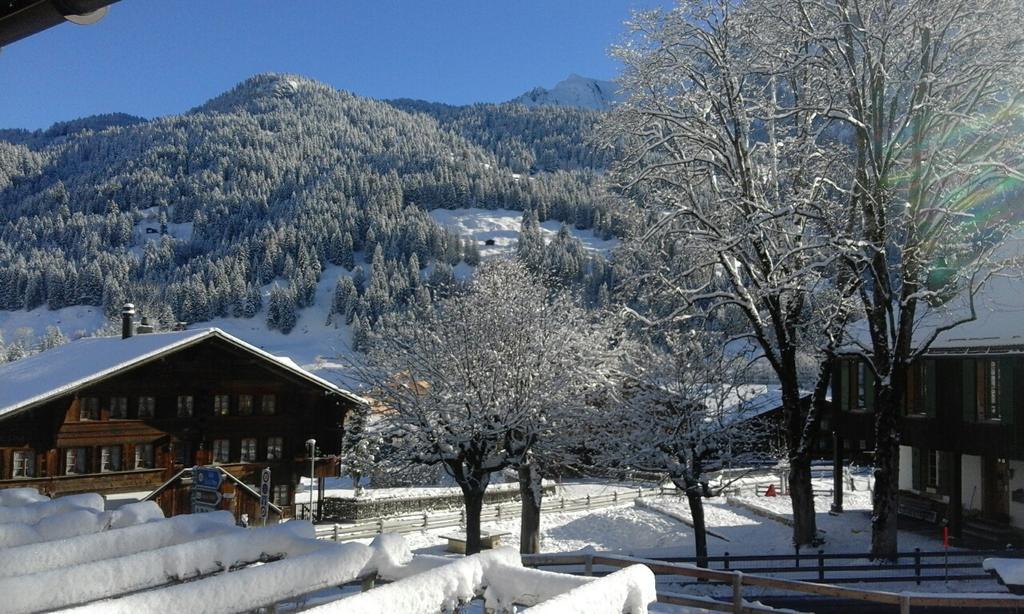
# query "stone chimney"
(144, 327)
(127, 329)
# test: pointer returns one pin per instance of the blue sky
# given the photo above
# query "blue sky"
(159, 57)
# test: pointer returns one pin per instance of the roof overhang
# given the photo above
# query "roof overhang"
(23, 18)
(143, 359)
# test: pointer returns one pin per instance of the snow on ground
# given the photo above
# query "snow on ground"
(502, 226)
(74, 322)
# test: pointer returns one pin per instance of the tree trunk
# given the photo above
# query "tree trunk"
(695, 498)
(885, 498)
(531, 493)
(801, 495)
(474, 499)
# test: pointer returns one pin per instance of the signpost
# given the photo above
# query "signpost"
(264, 495)
(206, 496)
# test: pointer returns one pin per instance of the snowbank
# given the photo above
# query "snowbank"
(509, 586)
(76, 521)
(1010, 571)
(37, 557)
(439, 589)
(326, 564)
(627, 590)
(10, 497)
(32, 513)
(67, 586)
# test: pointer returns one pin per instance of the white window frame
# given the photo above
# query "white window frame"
(221, 405)
(110, 459)
(248, 450)
(280, 495)
(74, 461)
(221, 450)
(144, 456)
(275, 448)
(23, 464)
(89, 408)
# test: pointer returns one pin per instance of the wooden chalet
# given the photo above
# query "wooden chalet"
(127, 414)
(962, 432)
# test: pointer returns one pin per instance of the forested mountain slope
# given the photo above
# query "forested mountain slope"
(190, 216)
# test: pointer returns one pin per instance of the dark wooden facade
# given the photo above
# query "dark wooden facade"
(247, 409)
(962, 434)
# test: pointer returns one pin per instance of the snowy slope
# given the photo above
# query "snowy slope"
(502, 227)
(575, 91)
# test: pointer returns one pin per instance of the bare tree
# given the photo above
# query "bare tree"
(477, 381)
(732, 166)
(685, 415)
(929, 94)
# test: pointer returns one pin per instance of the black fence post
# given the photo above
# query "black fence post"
(917, 565)
(821, 564)
(725, 561)
(796, 558)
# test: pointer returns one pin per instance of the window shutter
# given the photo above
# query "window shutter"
(844, 385)
(915, 469)
(1006, 404)
(930, 383)
(970, 387)
(869, 388)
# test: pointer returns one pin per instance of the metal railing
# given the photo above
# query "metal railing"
(490, 513)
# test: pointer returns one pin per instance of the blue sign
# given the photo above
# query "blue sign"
(207, 477)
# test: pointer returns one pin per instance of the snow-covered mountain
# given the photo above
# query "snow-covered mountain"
(575, 91)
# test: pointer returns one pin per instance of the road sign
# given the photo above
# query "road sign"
(265, 494)
(210, 498)
(207, 478)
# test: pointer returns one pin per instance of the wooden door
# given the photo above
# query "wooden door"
(995, 487)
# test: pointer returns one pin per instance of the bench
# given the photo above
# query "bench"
(915, 508)
(488, 540)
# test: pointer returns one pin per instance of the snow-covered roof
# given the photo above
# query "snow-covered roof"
(44, 376)
(999, 311)
(745, 401)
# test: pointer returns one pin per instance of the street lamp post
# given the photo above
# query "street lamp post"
(311, 446)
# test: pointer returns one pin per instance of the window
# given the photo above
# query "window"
(856, 386)
(245, 405)
(932, 460)
(186, 405)
(74, 461)
(118, 408)
(147, 407)
(275, 446)
(248, 450)
(921, 389)
(221, 450)
(89, 408)
(281, 495)
(221, 405)
(989, 380)
(23, 464)
(268, 405)
(110, 458)
(144, 456)
(180, 450)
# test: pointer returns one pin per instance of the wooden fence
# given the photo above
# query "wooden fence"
(490, 513)
(737, 580)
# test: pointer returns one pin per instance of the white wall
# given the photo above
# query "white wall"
(970, 481)
(906, 468)
(1017, 481)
